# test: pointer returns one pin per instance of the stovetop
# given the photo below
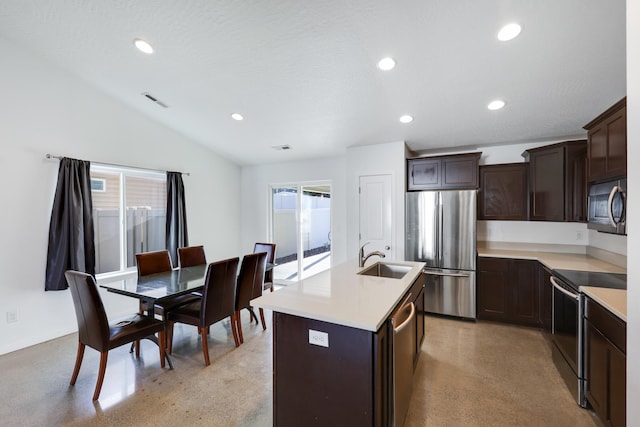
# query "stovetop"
(575, 279)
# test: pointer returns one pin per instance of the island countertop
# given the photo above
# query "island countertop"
(341, 296)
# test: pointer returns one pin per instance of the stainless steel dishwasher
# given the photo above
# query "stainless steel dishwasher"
(403, 344)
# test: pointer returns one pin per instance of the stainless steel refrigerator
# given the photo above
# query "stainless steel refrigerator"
(441, 231)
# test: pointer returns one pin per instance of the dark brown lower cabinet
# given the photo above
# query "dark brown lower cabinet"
(508, 290)
(606, 364)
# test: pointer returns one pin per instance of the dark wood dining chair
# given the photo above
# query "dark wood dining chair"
(95, 331)
(153, 263)
(216, 304)
(270, 249)
(249, 286)
(191, 255)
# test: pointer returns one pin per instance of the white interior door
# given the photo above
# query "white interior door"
(376, 215)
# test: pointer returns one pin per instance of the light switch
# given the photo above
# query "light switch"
(318, 338)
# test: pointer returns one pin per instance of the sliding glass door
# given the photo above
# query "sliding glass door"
(301, 230)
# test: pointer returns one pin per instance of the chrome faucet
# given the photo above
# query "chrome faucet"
(363, 258)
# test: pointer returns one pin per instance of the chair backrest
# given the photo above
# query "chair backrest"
(249, 284)
(191, 255)
(153, 262)
(219, 295)
(269, 248)
(93, 325)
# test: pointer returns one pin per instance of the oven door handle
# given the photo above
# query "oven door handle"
(563, 290)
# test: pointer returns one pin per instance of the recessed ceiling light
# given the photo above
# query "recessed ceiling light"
(495, 105)
(143, 46)
(386, 64)
(236, 116)
(509, 32)
(406, 119)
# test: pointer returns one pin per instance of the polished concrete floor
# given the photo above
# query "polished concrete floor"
(469, 374)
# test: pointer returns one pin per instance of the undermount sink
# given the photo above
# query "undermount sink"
(385, 269)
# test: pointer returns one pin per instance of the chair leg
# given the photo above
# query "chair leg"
(239, 326)
(162, 345)
(234, 330)
(137, 345)
(264, 324)
(170, 337)
(76, 369)
(252, 315)
(205, 345)
(103, 368)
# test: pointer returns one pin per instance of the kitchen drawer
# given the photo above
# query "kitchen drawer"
(493, 264)
(607, 323)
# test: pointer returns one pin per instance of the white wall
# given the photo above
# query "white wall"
(255, 198)
(44, 109)
(633, 242)
(379, 159)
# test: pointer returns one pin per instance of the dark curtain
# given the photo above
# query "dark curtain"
(71, 244)
(176, 215)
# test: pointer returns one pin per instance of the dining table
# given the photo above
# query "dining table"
(153, 288)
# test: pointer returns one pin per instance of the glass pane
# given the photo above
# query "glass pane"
(106, 220)
(284, 205)
(315, 227)
(145, 215)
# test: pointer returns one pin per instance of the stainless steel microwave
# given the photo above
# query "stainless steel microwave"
(607, 205)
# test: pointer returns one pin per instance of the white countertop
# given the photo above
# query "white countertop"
(555, 260)
(341, 296)
(614, 300)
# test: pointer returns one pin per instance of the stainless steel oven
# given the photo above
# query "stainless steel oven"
(567, 327)
(567, 337)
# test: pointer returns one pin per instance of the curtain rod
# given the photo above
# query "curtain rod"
(51, 156)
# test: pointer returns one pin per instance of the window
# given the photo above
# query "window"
(129, 215)
(301, 230)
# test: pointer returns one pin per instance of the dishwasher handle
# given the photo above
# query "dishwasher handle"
(408, 308)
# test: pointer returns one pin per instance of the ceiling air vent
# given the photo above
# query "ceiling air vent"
(154, 99)
(282, 147)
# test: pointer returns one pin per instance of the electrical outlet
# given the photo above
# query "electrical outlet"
(579, 235)
(318, 338)
(12, 316)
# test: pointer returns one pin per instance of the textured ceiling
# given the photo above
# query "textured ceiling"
(303, 73)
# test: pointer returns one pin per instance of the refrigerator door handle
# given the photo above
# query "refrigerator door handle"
(436, 273)
(440, 230)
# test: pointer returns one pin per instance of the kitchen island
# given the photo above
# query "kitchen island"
(331, 345)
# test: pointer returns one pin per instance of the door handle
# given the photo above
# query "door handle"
(435, 273)
(563, 290)
(616, 189)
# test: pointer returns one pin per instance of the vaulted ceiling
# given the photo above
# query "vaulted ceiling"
(303, 73)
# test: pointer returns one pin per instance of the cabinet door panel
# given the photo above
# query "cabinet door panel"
(547, 185)
(424, 174)
(504, 192)
(460, 172)
(526, 295)
(597, 152)
(492, 303)
(617, 145)
(597, 362)
(617, 387)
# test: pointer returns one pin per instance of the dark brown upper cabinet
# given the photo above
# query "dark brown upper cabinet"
(453, 172)
(557, 185)
(504, 192)
(607, 136)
